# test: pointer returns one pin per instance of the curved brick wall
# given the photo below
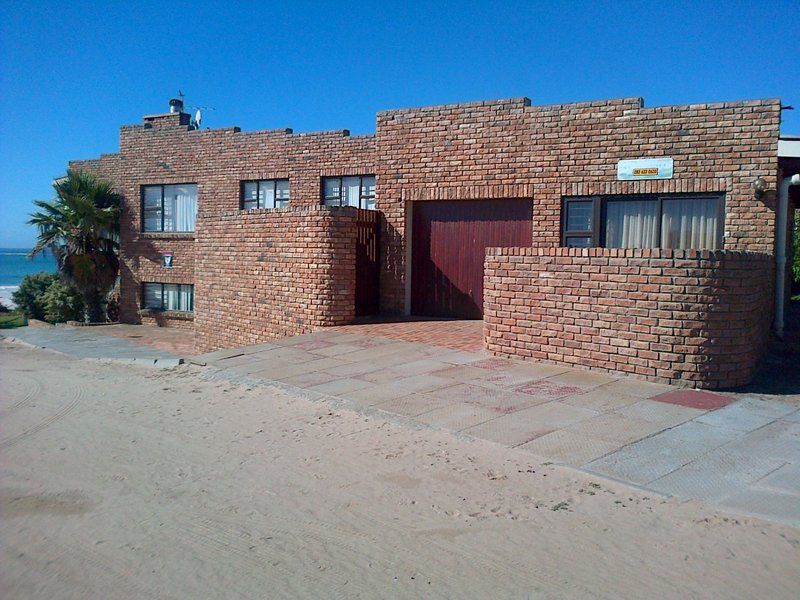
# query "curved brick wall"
(263, 274)
(698, 318)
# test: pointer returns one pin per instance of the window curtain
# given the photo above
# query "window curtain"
(352, 191)
(631, 224)
(689, 223)
(180, 207)
(171, 297)
(267, 194)
(186, 298)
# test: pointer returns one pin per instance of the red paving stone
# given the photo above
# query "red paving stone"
(547, 389)
(694, 399)
(169, 339)
(451, 333)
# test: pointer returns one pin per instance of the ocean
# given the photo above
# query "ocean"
(15, 264)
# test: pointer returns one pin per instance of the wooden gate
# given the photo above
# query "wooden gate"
(448, 245)
(368, 262)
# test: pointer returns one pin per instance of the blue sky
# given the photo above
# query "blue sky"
(72, 72)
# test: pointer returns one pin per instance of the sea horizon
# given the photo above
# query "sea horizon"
(15, 264)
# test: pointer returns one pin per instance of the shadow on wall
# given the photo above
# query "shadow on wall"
(779, 372)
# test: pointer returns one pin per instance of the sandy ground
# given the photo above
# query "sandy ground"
(121, 482)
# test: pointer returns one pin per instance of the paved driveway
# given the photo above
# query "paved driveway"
(740, 452)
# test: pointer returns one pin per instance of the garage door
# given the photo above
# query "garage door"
(448, 245)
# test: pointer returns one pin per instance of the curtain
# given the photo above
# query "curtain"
(689, 223)
(267, 194)
(631, 224)
(352, 191)
(186, 298)
(171, 297)
(180, 207)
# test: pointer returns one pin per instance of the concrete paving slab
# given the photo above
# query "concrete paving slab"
(382, 375)
(779, 439)
(716, 475)
(508, 379)
(653, 457)
(307, 380)
(778, 506)
(339, 387)
(547, 390)
(747, 415)
(554, 415)
(503, 401)
(256, 348)
(600, 399)
(461, 373)
(351, 369)
(794, 417)
(636, 388)
(337, 350)
(568, 447)
(537, 370)
(459, 357)
(666, 415)
(413, 405)
(419, 367)
(508, 430)
(582, 379)
(457, 417)
(615, 427)
(784, 479)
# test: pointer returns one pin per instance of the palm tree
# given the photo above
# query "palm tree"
(81, 227)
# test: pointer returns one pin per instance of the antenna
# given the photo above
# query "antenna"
(198, 115)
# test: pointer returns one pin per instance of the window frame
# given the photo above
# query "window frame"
(143, 190)
(162, 284)
(362, 197)
(599, 213)
(258, 183)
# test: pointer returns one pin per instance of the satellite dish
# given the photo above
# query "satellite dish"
(197, 117)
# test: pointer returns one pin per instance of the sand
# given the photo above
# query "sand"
(123, 482)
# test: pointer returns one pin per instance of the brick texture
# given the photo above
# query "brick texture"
(687, 317)
(263, 274)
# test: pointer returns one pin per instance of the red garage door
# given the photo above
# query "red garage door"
(448, 245)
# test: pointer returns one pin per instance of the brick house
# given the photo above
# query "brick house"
(600, 234)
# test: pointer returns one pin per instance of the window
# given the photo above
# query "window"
(268, 193)
(168, 296)
(643, 222)
(169, 207)
(349, 191)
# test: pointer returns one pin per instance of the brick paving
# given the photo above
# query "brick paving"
(169, 339)
(736, 451)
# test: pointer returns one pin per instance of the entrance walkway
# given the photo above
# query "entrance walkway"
(741, 452)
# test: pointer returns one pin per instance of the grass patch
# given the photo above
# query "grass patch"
(12, 319)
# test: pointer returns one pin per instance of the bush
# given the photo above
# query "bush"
(4, 308)
(29, 298)
(62, 303)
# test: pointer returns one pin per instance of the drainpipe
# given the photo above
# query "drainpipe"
(780, 255)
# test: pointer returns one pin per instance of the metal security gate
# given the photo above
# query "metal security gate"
(449, 241)
(368, 262)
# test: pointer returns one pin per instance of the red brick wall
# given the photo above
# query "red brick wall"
(510, 149)
(163, 150)
(264, 274)
(687, 317)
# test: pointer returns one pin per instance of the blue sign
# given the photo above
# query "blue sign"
(644, 168)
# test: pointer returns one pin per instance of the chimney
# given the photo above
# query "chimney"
(175, 105)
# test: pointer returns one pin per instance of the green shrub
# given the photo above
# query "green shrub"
(4, 308)
(62, 303)
(29, 298)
